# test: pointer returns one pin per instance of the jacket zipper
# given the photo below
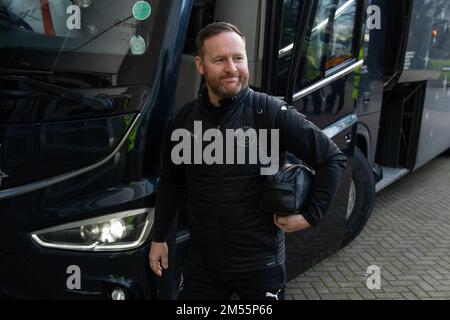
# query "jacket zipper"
(219, 205)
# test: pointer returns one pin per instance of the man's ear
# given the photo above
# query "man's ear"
(199, 65)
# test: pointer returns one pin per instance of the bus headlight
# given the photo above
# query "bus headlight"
(120, 231)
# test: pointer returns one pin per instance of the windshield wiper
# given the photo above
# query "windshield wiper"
(102, 102)
(11, 18)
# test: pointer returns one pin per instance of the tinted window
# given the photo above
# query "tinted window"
(99, 36)
(290, 21)
(331, 38)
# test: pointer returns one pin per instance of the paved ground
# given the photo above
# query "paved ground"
(407, 236)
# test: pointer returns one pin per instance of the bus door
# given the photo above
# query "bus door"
(315, 66)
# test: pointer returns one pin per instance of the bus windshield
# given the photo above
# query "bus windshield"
(94, 36)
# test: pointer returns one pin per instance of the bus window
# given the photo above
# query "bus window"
(331, 39)
(116, 39)
(290, 21)
(341, 42)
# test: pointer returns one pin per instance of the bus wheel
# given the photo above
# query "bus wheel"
(361, 197)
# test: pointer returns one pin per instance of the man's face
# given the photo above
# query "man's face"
(224, 65)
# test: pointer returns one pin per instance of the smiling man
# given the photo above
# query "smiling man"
(235, 246)
(223, 63)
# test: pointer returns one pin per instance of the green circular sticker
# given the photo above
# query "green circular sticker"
(142, 10)
(137, 45)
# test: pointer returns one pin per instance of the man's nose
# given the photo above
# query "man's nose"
(230, 66)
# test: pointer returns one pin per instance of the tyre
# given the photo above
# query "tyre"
(361, 197)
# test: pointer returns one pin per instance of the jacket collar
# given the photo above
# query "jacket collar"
(203, 98)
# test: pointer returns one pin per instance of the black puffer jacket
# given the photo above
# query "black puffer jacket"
(228, 230)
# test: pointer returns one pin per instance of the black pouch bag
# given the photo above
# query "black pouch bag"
(288, 191)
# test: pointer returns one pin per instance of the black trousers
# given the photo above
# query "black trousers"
(203, 284)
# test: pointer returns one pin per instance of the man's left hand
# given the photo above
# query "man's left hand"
(292, 223)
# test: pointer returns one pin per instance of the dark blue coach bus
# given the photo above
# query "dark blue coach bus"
(86, 87)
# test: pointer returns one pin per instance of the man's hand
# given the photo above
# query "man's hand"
(292, 223)
(158, 257)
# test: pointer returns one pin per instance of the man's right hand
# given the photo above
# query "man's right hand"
(158, 257)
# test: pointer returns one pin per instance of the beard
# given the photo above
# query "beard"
(226, 92)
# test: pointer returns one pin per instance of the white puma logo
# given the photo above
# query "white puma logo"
(271, 295)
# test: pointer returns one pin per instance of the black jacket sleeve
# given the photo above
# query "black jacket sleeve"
(170, 189)
(306, 141)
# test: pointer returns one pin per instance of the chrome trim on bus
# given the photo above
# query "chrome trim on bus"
(183, 236)
(341, 125)
(328, 80)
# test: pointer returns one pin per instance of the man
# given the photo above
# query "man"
(235, 247)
